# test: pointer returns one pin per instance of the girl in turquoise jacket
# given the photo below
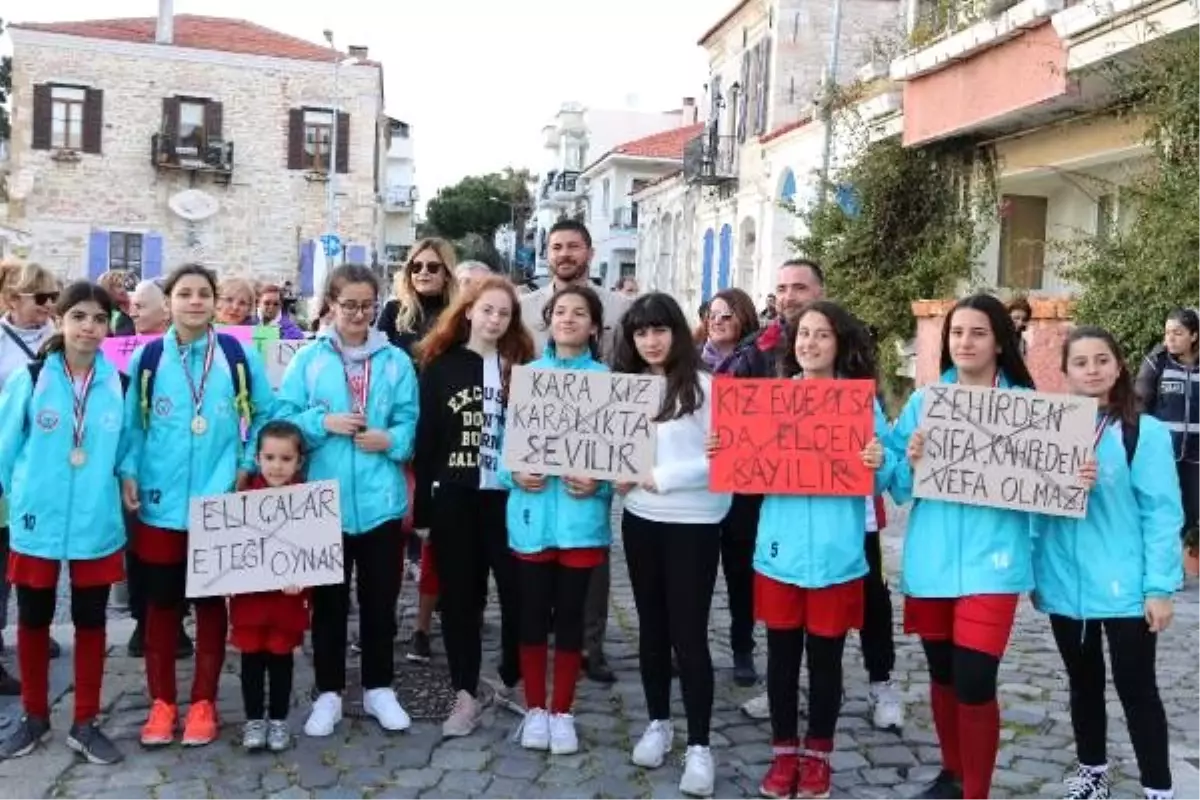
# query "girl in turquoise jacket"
(354, 396)
(193, 397)
(559, 530)
(60, 441)
(964, 567)
(809, 563)
(1114, 570)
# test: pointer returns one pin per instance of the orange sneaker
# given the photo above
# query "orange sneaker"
(201, 725)
(159, 729)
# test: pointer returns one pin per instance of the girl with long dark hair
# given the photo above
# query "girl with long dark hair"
(559, 530)
(1114, 571)
(60, 442)
(810, 564)
(964, 567)
(195, 396)
(672, 536)
(355, 398)
(460, 499)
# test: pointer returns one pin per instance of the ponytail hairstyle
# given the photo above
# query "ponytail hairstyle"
(1122, 399)
(1009, 360)
(78, 292)
(594, 306)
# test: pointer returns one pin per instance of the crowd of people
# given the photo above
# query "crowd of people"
(402, 401)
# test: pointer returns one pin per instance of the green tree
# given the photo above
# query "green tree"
(479, 204)
(5, 89)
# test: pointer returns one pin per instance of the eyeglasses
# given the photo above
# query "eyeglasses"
(42, 298)
(353, 309)
(432, 267)
(725, 317)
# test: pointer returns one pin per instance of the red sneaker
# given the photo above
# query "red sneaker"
(780, 780)
(814, 775)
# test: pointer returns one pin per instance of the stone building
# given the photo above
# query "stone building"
(144, 143)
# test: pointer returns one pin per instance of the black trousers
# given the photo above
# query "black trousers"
(551, 591)
(673, 568)
(876, 636)
(785, 650)
(1131, 649)
(256, 668)
(469, 536)
(374, 558)
(4, 585)
(1189, 485)
(738, 532)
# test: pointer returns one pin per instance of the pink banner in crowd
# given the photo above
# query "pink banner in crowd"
(119, 349)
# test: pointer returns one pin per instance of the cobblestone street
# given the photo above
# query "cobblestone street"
(360, 761)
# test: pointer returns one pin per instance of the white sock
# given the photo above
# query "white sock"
(1100, 770)
(1159, 794)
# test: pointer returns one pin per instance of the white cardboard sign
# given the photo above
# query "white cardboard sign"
(1005, 448)
(279, 354)
(265, 540)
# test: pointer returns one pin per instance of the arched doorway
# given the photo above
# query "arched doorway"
(746, 255)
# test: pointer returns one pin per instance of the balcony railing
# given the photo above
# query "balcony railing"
(625, 218)
(566, 185)
(399, 198)
(213, 155)
(710, 159)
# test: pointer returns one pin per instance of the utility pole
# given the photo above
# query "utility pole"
(828, 93)
(331, 184)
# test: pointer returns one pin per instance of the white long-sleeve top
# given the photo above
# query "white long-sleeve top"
(681, 471)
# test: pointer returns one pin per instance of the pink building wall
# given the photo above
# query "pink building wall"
(1044, 338)
(1028, 69)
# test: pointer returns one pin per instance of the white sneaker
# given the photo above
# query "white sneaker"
(535, 730)
(757, 707)
(654, 745)
(464, 718)
(887, 704)
(563, 740)
(326, 714)
(698, 772)
(386, 709)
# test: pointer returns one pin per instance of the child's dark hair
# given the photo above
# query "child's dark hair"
(855, 348)
(1122, 399)
(684, 394)
(594, 306)
(281, 429)
(181, 272)
(1009, 360)
(73, 295)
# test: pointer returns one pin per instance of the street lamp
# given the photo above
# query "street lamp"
(330, 186)
(512, 223)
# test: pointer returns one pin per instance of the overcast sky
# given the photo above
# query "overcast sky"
(477, 79)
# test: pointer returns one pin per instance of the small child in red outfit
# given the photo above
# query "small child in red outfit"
(269, 626)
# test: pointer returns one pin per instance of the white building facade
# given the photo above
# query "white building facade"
(399, 192)
(158, 141)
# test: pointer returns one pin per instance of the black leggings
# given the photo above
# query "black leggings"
(972, 673)
(374, 558)
(89, 606)
(255, 669)
(876, 636)
(470, 538)
(673, 568)
(785, 649)
(738, 532)
(1189, 486)
(1131, 649)
(549, 589)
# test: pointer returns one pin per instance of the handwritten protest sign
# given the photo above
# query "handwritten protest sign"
(265, 540)
(1005, 448)
(119, 349)
(279, 354)
(788, 436)
(263, 336)
(582, 423)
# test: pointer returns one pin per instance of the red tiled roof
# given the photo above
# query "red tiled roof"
(782, 129)
(708, 34)
(664, 144)
(199, 32)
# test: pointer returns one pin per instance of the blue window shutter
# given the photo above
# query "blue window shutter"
(357, 254)
(97, 259)
(706, 277)
(306, 268)
(152, 256)
(724, 253)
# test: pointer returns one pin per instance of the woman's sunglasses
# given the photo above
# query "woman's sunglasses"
(432, 267)
(42, 298)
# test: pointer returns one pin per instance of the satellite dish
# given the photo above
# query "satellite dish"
(193, 205)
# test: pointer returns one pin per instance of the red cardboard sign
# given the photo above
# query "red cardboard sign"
(785, 436)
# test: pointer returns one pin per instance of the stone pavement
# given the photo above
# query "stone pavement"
(361, 761)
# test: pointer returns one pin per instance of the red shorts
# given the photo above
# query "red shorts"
(428, 584)
(158, 545)
(829, 611)
(979, 622)
(42, 573)
(265, 639)
(572, 557)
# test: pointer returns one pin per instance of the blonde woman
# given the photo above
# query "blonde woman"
(423, 287)
(114, 282)
(28, 293)
(235, 302)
